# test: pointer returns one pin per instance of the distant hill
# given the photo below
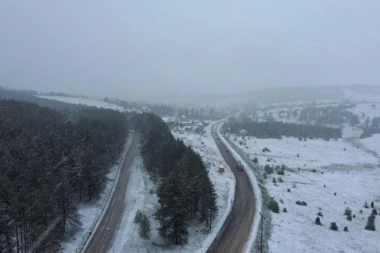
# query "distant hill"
(31, 96)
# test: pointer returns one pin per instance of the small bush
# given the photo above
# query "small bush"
(273, 206)
(298, 155)
(143, 221)
(301, 203)
(365, 205)
(280, 180)
(314, 170)
(320, 214)
(288, 190)
(361, 211)
(318, 221)
(274, 180)
(266, 149)
(333, 226)
(268, 169)
(294, 185)
(348, 214)
(255, 160)
(372, 205)
(284, 210)
(345, 229)
(265, 175)
(374, 211)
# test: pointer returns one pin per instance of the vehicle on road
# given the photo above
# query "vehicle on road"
(239, 165)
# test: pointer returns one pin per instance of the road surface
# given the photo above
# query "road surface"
(233, 236)
(103, 237)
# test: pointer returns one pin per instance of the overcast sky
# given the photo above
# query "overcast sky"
(124, 48)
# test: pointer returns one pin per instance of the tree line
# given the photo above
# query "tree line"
(50, 160)
(185, 191)
(276, 129)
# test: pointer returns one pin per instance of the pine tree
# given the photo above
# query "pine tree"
(173, 213)
(371, 223)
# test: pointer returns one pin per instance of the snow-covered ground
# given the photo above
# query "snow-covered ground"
(84, 101)
(366, 110)
(372, 143)
(304, 154)
(142, 196)
(346, 175)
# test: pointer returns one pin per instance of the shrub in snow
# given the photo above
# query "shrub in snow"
(361, 211)
(371, 223)
(366, 205)
(280, 180)
(298, 155)
(255, 160)
(288, 190)
(268, 169)
(144, 224)
(273, 205)
(333, 226)
(294, 185)
(318, 221)
(266, 149)
(374, 211)
(324, 185)
(335, 193)
(353, 216)
(345, 229)
(281, 201)
(301, 203)
(348, 214)
(314, 170)
(372, 204)
(284, 210)
(320, 214)
(265, 175)
(274, 180)
(268, 160)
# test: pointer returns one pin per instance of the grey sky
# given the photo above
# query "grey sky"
(121, 48)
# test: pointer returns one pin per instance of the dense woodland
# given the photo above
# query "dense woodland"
(185, 191)
(328, 115)
(275, 129)
(49, 161)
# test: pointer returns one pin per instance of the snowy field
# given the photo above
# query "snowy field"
(345, 175)
(308, 154)
(84, 101)
(372, 143)
(142, 196)
(366, 110)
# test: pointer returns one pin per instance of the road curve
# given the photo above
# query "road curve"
(102, 239)
(234, 234)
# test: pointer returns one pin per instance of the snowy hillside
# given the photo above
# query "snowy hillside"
(84, 101)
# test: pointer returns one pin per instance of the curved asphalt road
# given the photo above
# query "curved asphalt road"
(102, 239)
(233, 236)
